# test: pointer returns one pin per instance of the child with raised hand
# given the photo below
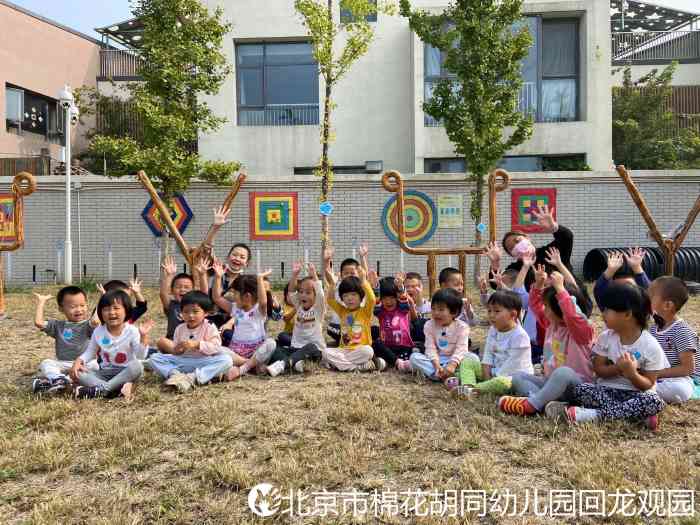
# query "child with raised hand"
(626, 359)
(395, 312)
(133, 290)
(250, 348)
(118, 347)
(677, 339)
(622, 267)
(446, 341)
(173, 287)
(506, 352)
(567, 347)
(196, 356)
(71, 336)
(452, 278)
(413, 282)
(289, 312)
(355, 350)
(307, 341)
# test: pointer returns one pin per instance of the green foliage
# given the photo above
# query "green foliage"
(182, 62)
(567, 163)
(478, 104)
(643, 125)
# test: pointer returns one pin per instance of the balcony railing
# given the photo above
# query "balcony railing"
(34, 164)
(527, 102)
(119, 64)
(279, 115)
(655, 46)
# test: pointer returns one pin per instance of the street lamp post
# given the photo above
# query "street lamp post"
(70, 116)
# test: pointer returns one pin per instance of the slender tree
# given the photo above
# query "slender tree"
(479, 103)
(337, 45)
(181, 62)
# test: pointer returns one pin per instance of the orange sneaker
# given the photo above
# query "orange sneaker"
(517, 406)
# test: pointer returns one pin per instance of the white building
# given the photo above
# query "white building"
(273, 98)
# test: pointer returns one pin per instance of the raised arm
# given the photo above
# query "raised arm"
(169, 269)
(216, 292)
(327, 267)
(364, 256)
(577, 323)
(294, 281)
(262, 292)
(39, 320)
(553, 257)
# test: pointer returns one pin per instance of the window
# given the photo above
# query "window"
(550, 71)
(447, 165)
(346, 16)
(30, 112)
(574, 162)
(277, 84)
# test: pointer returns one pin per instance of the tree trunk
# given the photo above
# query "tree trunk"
(325, 164)
(476, 213)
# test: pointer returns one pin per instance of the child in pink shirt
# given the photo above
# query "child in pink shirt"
(395, 312)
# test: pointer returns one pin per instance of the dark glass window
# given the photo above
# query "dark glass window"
(26, 111)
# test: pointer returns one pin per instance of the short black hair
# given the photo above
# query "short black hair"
(449, 298)
(115, 285)
(349, 262)
(550, 299)
(413, 275)
(388, 287)
(181, 276)
(114, 297)
(445, 274)
(511, 233)
(351, 284)
(245, 247)
(624, 297)
(672, 289)
(506, 299)
(246, 283)
(69, 290)
(195, 297)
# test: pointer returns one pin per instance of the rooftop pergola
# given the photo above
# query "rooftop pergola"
(647, 16)
(128, 33)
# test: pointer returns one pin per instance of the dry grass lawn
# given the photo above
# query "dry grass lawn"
(192, 458)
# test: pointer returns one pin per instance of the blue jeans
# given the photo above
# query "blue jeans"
(541, 390)
(205, 368)
(423, 363)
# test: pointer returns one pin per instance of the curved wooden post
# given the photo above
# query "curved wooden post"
(393, 183)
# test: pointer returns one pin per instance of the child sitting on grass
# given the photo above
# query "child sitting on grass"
(355, 350)
(395, 312)
(446, 341)
(118, 347)
(506, 352)
(173, 286)
(567, 346)
(626, 359)
(414, 288)
(196, 356)
(307, 341)
(677, 339)
(452, 278)
(71, 336)
(289, 312)
(133, 290)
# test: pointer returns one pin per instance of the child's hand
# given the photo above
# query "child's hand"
(218, 268)
(181, 348)
(498, 279)
(540, 276)
(266, 273)
(311, 270)
(42, 298)
(449, 370)
(553, 257)
(372, 277)
(627, 365)
(483, 285)
(135, 286)
(615, 262)
(545, 218)
(328, 254)
(100, 289)
(363, 274)
(296, 268)
(363, 250)
(529, 260)
(558, 281)
(221, 215)
(493, 252)
(202, 265)
(77, 369)
(169, 267)
(634, 259)
(146, 326)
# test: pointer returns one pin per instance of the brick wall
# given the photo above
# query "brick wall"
(595, 205)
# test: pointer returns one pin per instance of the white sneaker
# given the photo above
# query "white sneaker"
(464, 392)
(369, 366)
(275, 368)
(174, 378)
(299, 366)
(380, 364)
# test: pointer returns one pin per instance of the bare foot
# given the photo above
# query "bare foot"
(233, 374)
(128, 392)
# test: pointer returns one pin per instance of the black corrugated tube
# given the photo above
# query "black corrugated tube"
(687, 263)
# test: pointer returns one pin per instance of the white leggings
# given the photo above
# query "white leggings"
(675, 390)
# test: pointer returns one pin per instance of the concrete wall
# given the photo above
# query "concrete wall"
(595, 205)
(379, 114)
(40, 57)
(685, 75)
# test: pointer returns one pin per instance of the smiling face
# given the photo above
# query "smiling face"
(238, 259)
(180, 287)
(414, 288)
(441, 314)
(352, 300)
(501, 318)
(389, 302)
(349, 270)
(306, 294)
(456, 282)
(74, 307)
(114, 315)
(193, 315)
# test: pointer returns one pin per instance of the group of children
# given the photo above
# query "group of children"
(541, 354)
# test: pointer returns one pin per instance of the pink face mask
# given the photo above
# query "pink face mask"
(524, 247)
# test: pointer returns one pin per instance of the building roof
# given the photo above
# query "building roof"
(49, 21)
(646, 16)
(128, 32)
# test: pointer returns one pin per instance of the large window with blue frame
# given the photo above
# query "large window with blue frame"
(550, 71)
(277, 84)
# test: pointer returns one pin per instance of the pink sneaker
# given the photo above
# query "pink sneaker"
(403, 365)
(451, 383)
(652, 423)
